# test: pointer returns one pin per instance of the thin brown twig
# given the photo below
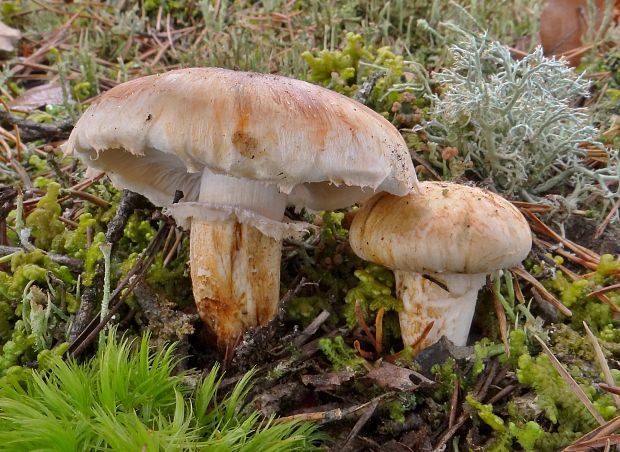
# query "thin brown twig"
(454, 402)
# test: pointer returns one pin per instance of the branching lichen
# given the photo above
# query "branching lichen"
(517, 121)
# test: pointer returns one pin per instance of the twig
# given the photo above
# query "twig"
(363, 93)
(571, 382)
(75, 264)
(31, 130)
(454, 401)
(129, 282)
(324, 417)
(116, 226)
(369, 411)
(311, 329)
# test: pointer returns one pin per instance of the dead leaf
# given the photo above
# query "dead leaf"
(8, 37)
(39, 96)
(563, 23)
(328, 379)
(390, 376)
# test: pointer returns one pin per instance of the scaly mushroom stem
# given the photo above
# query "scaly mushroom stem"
(425, 301)
(235, 268)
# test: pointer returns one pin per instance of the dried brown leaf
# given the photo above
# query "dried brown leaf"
(8, 37)
(563, 24)
(390, 376)
(37, 97)
(328, 379)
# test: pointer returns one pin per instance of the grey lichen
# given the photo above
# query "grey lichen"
(517, 121)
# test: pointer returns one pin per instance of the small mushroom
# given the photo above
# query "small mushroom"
(241, 146)
(441, 244)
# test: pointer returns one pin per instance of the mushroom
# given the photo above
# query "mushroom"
(241, 146)
(441, 244)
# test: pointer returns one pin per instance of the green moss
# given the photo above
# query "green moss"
(485, 412)
(527, 436)
(559, 403)
(43, 220)
(374, 291)
(341, 355)
(445, 374)
(33, 266)
(17, 350)
(574, 294)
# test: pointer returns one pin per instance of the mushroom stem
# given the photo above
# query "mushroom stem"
(425, 301)
(235, 268)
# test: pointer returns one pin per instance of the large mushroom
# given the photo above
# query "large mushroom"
(441, 244)
(241, 146)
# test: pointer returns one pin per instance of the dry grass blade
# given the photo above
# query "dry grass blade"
(571, 383)
(566, 254)
(602, 362)
(363, 353)
(604, 430)
(501, 317)
(603, 290)
(362, 323)
(547, 296)
(612, 389)
(379, 330)
(601, 227)
(582, 251)
(418, 342)
(605, 441)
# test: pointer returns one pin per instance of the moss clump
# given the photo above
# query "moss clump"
(373, 292)
(574, 294)
(559, 403)
(343, 71)
(341, 355)
(43, 221)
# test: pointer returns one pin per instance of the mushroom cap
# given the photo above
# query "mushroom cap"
(447, 228)
(155, 134)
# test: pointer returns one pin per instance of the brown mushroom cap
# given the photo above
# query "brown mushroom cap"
(155, 135)
(448, 228)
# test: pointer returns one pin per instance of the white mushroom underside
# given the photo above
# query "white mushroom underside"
(246, 201)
